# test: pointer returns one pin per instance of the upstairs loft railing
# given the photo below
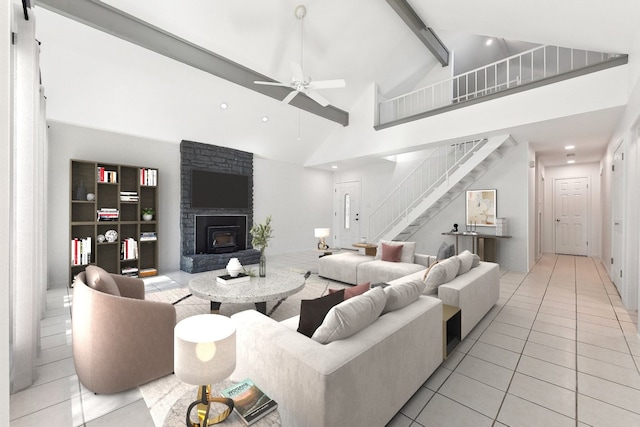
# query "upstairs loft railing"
(434, 171)
(533, 65)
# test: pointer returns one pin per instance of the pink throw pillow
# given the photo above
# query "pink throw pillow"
(354, 290)
(391, 253)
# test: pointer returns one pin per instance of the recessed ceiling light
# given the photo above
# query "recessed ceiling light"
(334, 167)
(265, 118)
(224, 105)
(569, 147)
(571, 162)
(489, 42)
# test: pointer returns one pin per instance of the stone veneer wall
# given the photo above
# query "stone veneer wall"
(195, 155)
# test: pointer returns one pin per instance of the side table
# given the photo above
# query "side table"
(451, 329)
(178, 412)
(369, 249)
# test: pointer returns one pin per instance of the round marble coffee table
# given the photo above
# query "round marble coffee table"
(277, 285)
(178, 412)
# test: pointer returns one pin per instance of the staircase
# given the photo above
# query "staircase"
(442, 177)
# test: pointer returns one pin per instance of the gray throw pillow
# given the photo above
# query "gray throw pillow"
(442, 251)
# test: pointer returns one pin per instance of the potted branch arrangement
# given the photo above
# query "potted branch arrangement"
(260, 236)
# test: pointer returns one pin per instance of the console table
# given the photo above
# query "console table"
(482, 244)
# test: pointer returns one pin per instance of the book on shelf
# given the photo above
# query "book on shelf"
(146, 272)
(148, 177)
(108, 214)
(147, 236)
(226, 278)
(129, 196)
(81, 251)
(250, 402)
(107, 175)
(129, 271)
(129, 249)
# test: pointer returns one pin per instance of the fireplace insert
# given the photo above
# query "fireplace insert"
(222, 239)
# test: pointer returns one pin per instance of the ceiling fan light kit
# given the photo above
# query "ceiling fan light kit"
(299, 83)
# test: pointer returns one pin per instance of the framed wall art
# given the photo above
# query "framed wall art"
(481, 208)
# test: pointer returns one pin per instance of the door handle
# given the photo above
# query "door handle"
(557, 220)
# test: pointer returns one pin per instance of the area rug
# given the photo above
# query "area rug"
(161, 394)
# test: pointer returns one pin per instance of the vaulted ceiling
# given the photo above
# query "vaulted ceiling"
(361, 41)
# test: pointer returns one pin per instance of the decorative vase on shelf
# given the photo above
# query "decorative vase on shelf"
(234, 267)
(147, 217)
(262, 266)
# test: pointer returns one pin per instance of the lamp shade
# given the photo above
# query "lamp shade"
(322, 232)
(204, 349)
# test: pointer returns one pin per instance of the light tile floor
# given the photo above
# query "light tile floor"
(558, 349)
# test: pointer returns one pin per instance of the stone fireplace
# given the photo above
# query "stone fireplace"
(210, 237)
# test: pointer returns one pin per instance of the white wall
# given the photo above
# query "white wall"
(510, 177)
(591, 171)
(5, 220)
(298, 199)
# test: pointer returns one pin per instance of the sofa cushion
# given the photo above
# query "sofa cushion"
(441, 272)
(354, 290)
(446, 251)
(403, 294)
(313, 311)
(466, 261)
(100, 280)
(391, 253)
(408, 250)
(476, 261)
(351, 316)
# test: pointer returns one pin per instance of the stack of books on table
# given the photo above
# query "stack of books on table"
(250, 403)
(129, 196)
(108, 214)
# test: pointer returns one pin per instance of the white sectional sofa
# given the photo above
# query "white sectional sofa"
(354, 268)
(362, 380)
(474, 292)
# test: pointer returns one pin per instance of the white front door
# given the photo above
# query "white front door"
(346, 223)
(617, 213)
(571, 216)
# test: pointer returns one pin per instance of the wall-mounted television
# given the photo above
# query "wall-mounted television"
(219, 190)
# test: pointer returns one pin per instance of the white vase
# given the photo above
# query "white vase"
(234, 267)
(147, 217)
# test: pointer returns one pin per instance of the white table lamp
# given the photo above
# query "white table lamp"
(204, 354)
(321, 233)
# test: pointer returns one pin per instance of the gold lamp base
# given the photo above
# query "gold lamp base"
(204, 405)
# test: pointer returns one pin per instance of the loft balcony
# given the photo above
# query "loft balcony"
(536, 67)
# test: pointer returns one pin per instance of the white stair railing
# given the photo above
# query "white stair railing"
(434, 171)
(526, 67)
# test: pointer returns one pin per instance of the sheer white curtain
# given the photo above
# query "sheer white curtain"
(27, 263)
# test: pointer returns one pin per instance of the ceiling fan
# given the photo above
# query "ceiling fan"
(299, 83)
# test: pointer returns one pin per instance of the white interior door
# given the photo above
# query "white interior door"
(571, 216)
(617, 209)
(347, 214)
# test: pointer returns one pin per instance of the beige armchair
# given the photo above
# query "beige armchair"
(119, 340)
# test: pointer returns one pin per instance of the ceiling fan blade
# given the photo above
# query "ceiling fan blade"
(271, 83)
(317, 97)
(327, 84)
(287, 99)
(296, 72)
